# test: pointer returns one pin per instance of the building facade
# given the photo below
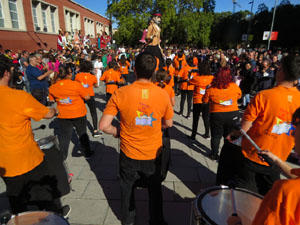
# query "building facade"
(32, 24)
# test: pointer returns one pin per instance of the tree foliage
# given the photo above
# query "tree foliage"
(193, 22)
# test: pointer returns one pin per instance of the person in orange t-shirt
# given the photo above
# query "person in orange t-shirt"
(124, 65)
(89, 81)
(281, 203)
(179, 63)
(22, 164)
(144, 109)
(162, 80)
(267, 120)
(171, 72)
(224, 112)
(112, 78)
(201, 82)
(186, 88)
(70, 96)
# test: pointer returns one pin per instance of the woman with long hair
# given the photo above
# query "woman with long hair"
(70, 96)
(124, 66)
(201, 82)
(162, 80)
(222, 96)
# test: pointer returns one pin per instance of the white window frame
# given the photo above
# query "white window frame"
(2, 14)
(44, 18)
(89, 27)
(44, 12)
(16, 12)
(7, 18)
(75, 19)
(35, 16)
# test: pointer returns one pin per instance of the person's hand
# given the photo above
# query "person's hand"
(267, 153)
(234, 220)
(235, 134)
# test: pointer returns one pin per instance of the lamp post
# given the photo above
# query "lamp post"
(249, 25)
(274, 11)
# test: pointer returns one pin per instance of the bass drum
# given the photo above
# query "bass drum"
(55, 163)
(37, 218)
(213, 206)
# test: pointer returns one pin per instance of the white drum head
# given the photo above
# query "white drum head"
(215, 205)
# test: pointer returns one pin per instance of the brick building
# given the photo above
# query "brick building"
(33, 24)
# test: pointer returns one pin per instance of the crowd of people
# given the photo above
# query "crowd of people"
(256, 87)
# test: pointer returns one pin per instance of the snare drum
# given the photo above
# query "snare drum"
(55, 163)
(213, 206)
(37, 218)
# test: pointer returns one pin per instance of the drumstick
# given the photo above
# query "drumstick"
(265, 157)
(237, 126)
(233, 202)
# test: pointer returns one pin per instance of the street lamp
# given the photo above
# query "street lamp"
(249, 25)
(274, 11)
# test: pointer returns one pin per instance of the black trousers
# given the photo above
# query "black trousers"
(92, 106)
(176, 85)
(221, 124)
(150, 172)
(40, 95)
(66, 128)
(197, 109)
(35, 188)
(237, 171)
(186, 94)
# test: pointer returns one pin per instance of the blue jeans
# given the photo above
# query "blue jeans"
(147, 172)
(246, 99)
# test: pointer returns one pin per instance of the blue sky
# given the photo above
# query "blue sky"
(221, 5)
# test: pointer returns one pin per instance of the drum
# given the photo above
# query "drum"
(55, 163)
(37, 218)
(213, 206)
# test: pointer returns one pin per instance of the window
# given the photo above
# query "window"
(72, 19)
(13, 13)
(53, 19)
(99, 28)
(35, 17)
(44, 15)
(89, 28)
(1, 16)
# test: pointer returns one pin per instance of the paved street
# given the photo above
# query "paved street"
(95, 195)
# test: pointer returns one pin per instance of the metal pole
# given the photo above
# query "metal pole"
(249, 25)
(274, 11)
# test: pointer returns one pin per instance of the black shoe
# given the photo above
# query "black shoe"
(65, 211)
(89, 154)
(206, 136)
(192, 138)
(213, 156)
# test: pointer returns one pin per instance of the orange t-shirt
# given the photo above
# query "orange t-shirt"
(69, 97)
(223, 100)
(195, 61)
(271, 113)
(19, 153)
(281, 205)
(88, 81)
(171, 71)
(177, 62)
(124, 68)
(168, 89)
(183, 74)
(142, 106)
(111, 78)
(200, 83)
